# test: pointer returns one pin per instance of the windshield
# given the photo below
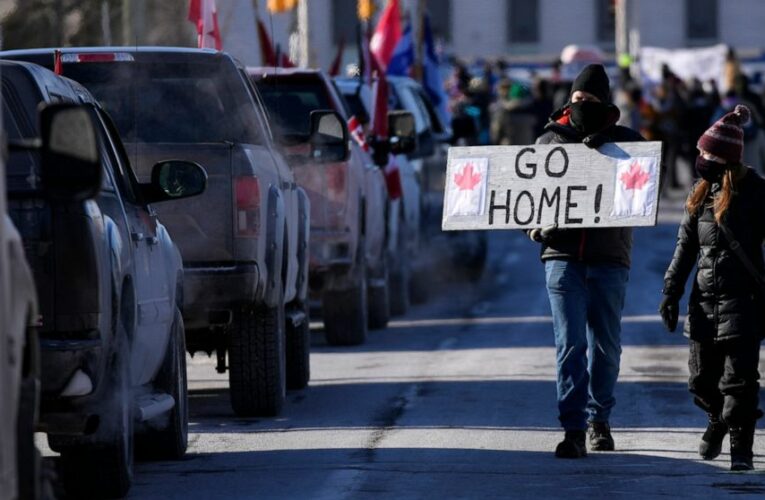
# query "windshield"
(290, 104)
(173, 102)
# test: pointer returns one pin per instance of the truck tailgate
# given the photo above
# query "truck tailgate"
(201, 226)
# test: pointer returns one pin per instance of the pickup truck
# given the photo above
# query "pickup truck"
(244, 242)
(109, 281)
(405, 259)
(466, 251)
(348, 266)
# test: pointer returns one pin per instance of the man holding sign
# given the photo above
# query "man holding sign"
(577, 191)
(587, 270)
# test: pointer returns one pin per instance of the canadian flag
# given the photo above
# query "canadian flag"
(387, 33)
(204, 15)
(635, 187)
(466, 190)
(357, 132)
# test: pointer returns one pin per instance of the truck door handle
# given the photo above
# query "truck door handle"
(137, 236)
(152, 240)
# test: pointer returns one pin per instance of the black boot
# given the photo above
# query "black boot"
(741, 442)
(711, 442)
(572, 446)
(600, 436)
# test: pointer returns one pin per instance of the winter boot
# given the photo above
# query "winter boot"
(600, 436)
(711, 442)
(572, 446)
(741, 442)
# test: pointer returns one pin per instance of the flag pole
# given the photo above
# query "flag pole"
(418, 26)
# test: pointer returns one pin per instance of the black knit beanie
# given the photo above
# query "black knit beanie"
(593, 79)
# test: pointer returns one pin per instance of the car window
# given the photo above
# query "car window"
(20, 122)
(410, 103)
(435, 121)
(290, 104)
(173, 102)
(117, 162)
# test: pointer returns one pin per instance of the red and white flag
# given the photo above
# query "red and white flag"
(635, 187)
(357, 132)
(466, 190)
(204, 15)
(387, 33)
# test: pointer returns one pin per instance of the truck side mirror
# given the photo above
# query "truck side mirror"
(330, 139)
(401, 128)
(175, 180)
(71, 163)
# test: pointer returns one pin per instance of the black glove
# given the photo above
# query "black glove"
(670, 311)
(545, 234)
(595, 140)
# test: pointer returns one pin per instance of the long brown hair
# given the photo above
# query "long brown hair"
(721, 202)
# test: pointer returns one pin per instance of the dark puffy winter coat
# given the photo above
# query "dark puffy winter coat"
(725, 300)
(591, 246)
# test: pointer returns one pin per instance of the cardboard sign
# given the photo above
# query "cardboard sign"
(571, 185)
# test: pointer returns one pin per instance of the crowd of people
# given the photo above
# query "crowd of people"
(491, 108)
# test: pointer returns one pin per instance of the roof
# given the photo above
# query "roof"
(272, 70)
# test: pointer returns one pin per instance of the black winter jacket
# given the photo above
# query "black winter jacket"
(591, 246)
(725, 300)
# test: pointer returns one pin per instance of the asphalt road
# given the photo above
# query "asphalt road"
(457, 400)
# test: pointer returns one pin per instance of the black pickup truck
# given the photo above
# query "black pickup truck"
(109, 281)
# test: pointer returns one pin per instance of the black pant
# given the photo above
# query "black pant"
(724, 379)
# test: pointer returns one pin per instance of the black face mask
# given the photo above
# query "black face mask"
(709, 170)
(589, 117)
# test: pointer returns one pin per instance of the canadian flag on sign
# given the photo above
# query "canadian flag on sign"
(466, 189)
(635, 188)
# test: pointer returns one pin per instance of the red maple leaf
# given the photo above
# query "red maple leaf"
(635, 178)
(467, 179)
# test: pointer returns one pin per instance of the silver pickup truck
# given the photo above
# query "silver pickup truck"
(348, 267)
(244, 242)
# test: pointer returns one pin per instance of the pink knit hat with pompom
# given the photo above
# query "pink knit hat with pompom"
(725, 138)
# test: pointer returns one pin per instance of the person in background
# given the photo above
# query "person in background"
(586, 273)
(722, 233)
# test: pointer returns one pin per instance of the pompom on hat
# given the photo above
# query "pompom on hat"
(725, 138)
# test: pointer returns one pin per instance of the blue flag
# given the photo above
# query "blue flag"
(403, 59)
(403, 55)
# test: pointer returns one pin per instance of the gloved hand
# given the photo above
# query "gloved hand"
(595, 140)
(543, 235)
(670, 311)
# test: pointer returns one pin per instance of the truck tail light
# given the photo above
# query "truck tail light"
(96, 57)
(247, 193)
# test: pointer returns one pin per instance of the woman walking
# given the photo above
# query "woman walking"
(722, 233)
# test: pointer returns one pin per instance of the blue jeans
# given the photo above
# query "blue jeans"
(586, 302)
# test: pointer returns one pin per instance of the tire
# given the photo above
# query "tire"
(378, 303)
(170, 440)
(104, 468)
(28, 457)
(298, 350)
(399, 289)
(345, 315)
(257, 371)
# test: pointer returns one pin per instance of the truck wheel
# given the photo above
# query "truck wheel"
(399, 289)
(168, 438)
(378, 301)
(345, 315)
(28, 458)
(299, 349)
(256, 357)
(105, 468)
